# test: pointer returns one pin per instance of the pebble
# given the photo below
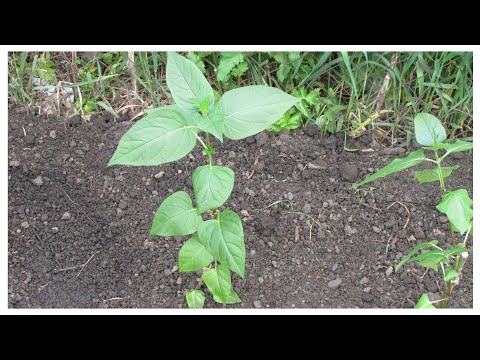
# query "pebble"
(318, 164)
(376, 229)
(349, 172)
(122, 205)
(245, 213)
(159, 175)
(261, 138)
(67, 216)
(300, 167)
(389, 271)
(419, 234)
(179, 281)
(335, 267)
(38, 181)
(289, 196)
(44, 217)
(349, 231)
(367, 290)
(55, 230)
(334, 284)
(15, 163)
(175, 268)
(443, 219)
(119, 212)
(390, 223)
(252, 252)
(25, 225)
(274, 263)
(53, 134)
(364, 281)
(260, 280)
(307, 208)
(257, 304)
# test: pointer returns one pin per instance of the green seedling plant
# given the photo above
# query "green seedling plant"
(216, 246)
(455, 204)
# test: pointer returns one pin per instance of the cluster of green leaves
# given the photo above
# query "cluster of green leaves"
(169, 133)
(325, 112)
(456, 204)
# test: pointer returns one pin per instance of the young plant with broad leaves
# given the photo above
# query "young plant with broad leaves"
(455, 204)
(216, 246)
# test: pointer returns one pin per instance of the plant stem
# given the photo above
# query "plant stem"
(440, 173)
(209, 148)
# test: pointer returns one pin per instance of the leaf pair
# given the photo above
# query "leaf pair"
(219, 282)
(176, 216)
(169, 133)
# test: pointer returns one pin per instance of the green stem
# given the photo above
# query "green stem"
(200, 139)
(209, 149)
(440, 173)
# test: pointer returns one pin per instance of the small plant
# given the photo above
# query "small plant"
(456, 204)
(323, 111)
(169, 133)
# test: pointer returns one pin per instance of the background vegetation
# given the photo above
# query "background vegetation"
(340, 91)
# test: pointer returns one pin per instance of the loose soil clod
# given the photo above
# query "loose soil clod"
(295, 259)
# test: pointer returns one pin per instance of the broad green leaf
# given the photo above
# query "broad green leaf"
(213, 122)
(428, 130)
(430, 259)
(176, 216)
(424, 303)
(457, 205)
(186, 82)
(455, 250)
(162, 136)
(195, 299)
(450, 275)
(431, 175)
(193, 256)
(228, 61)
(414, 251)
(219, 282)
(396, 165)
(212, 186)
(223, 238)
(232, 298)
(458, 146)
(251, 109)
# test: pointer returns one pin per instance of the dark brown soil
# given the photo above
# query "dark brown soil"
(304, 226)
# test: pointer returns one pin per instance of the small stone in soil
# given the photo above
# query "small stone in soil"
(389, 271)
(349, 172)
(307, 208)
(443, 219)
(122, 205)
(14, 163)
(289, 196)
(38, 181)
(261, 138)
(335, 267)
(260, 280)
(66, 216)
(334, 284)
(53, 134)
(376, 229)
(419, 234)
(159, 175)
(257, 304)
(252, 252)
(179, 281)
(349, 231)
(364, 281)
(54, 230)
(25, 225)
(367, 297)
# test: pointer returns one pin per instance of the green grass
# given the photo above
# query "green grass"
(437, 82)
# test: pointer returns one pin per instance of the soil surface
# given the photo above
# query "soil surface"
(78, 231)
